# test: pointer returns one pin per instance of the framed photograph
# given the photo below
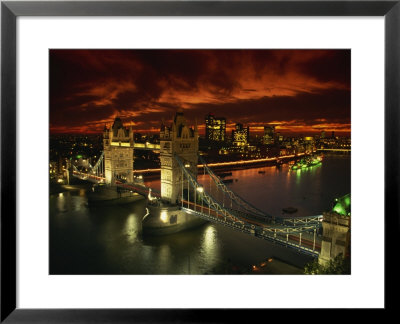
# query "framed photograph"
(162, 159)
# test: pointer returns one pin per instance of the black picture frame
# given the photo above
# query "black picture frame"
(10, 10)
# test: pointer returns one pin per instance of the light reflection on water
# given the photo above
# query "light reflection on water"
(131, 228)
(209, 249)
(108, 240)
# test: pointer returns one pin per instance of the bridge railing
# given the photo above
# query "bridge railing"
(296, 221)
(98, 163)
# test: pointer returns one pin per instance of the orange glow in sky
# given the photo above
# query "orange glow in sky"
(298, 91)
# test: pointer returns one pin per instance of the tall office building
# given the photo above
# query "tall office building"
(269, 133)
(240, 135)
(215, 128)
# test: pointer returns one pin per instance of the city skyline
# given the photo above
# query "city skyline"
(297, 91)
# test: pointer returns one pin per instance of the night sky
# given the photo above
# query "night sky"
(298, 91)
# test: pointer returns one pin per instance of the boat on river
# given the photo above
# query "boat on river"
(307, 162)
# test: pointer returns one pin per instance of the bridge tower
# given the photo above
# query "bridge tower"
(336, 231)
(118, 152)
(182, 140)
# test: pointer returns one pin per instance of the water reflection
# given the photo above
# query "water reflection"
(61, 202)
(209, 248)
(131, 229)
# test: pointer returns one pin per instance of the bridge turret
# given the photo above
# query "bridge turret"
(118, 152)
(181, 140)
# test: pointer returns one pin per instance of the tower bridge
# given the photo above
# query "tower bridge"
(118, 152)
(183, 196)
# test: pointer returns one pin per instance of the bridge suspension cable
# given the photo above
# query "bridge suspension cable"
(239, 201)
(248, 208)
(97, 170)
(288, 233)
(98, 164)
(95, 173)
(210, 201)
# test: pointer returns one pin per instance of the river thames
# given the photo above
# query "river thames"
(108, 239)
